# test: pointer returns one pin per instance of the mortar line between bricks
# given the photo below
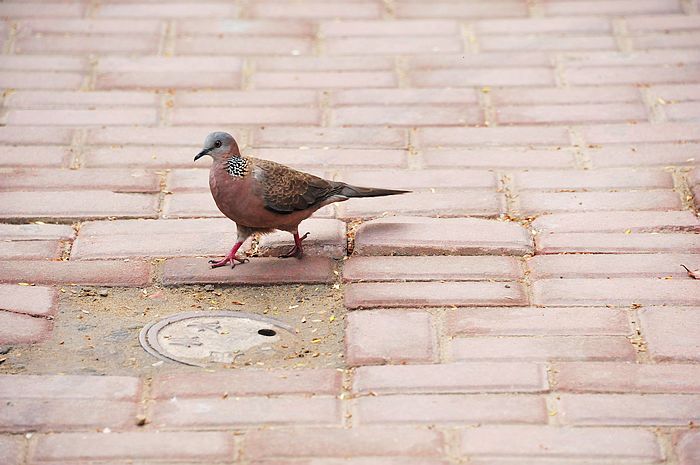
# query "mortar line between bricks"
(527, 278)
(689, 7)
(559, 71)
(243, 9)
(510, 193)
(9, 46)
(665, 443)
(441, 337)
(77, 146)
(166, 46)
(145, 405)
(389, 11)
(636, 337)
(324, 106)
(621, 34)
(247, 70)
(346, 397)
(90, 80)
(318, 44)
(487, 108)
(551, 401)
(655, 112)
(581, 160)
(682, 187)
(451, 449)
(534, 9)
(91, 8)
(401, 71)
(470, 42)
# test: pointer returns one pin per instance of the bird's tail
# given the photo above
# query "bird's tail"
(347, 190)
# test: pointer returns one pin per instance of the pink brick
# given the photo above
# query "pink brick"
(35, 136)
(479, 60)
(185, 180)
(392, 46)
(619, 292)
(515, 158)
(32, 300)
(243, 115)
(665, 40)
(662, 22)
(40, 80)
(45, 62)
(688, 448)
(76, 204)
(324, 63)
(613, 7)
(443, 204)
(411, 9)
(82, 117)
(562, 444)
(370, 138)
(315, 10)
(466, 268)
(368, 441)
(660, 155)
(30, 250)
(413, 115)
(677, 92)
(322, 79)
(245, 98)
(140, 157)
(39, 156)
(167, 80)
(389, 28)
(155, 138)
(552, 42)
(451, 408)
(421, 179)
(628, 409)
(456, 137)
(449, 378)
(77, 99)
(169, 64)
(542, 25)
(189, 205)
(244, 383)
(618, 243)
(627, 377)
(531, 321)
(672, 333)
(16, 328)
(113, 180)
(246, 411)
(389, 336)
(612, 266)
(242, 45)
(328, 157)
(552, 202)
(687, 111)
(27, 9)
(142, 445)
(87, 43)
(258, 271)
(618, 221)
(629, 75)
(593, 180)
(12, 450)
(243, 27)
(91, 26)
(403, 96)
(634, 133)
(573, 114)
(564, 95)
(483, 77)
(114, 388)
(441, 236)
(33, 231)
(97, 273)
(167, 10)
(434, 294)
(541, 348)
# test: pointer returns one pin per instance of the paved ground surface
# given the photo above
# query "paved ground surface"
(526, 304)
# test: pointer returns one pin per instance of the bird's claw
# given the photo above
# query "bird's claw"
(227, 260)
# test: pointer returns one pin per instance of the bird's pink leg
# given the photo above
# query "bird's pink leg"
(298, 250)
(230, 258)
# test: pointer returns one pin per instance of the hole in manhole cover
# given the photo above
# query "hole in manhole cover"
(205, 338)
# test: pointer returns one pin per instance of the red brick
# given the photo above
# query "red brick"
(451, 408)
(662, 22)
(243, 27)
(627, 377)
(660, 155)
(30, 250)
(149, 227)
(33, 231)
(26, 9)
(665, 40)
(329, 157)
(12, 450)
(634, 133)
(542, 25)
(609, 179)
(167, 80)
(113, 116)
(411, 9)
(182, 180)
(167, 10)
(683, 111)
(257, 271)
(499, 158)
(322, 79)
(382, 28)
(97, 273)
(242, 45)
(451, 378)
(421, 179)
(190, 204)
(456, 137)
(434, 294)
(483, 77)
(140, 157)
(90, 26)
(113, 388)
(612, 266)
(618, 221)
(392, 46)
(35, 136)
(564, 95)
(688, 448)
(245, 115)
(51, 180)
(618, 243)
(143, 445)
(389, 336)
(611, 7)
(541, 348)
(552, 202)
(335, 442)
(51, 415)
(531, 321)
(628, 409)
(672, 333)
(441, 236)
(40, 80)
(315, 10)
(413, 115)
(467, 268)
(76, 204)
(156, 137)
(245, 411)
(77, 99)
(404, 96)
(87, 43)
(562, 444)
(620, 292)
(479, 60)
(245, 383)
(571, 113)
(324, 63)
(443, 204)
(370, 138)
(554, 42)
(45, 62)
(16, 328)
(629, 75)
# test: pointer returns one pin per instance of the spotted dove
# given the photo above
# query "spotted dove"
(262, 196)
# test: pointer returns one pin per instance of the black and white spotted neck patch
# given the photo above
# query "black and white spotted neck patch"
(237, 166)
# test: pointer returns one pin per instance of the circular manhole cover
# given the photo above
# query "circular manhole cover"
(205, 338)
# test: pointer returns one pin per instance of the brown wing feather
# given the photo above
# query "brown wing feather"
(286, 190)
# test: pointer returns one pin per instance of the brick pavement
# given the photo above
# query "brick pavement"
(535, 311)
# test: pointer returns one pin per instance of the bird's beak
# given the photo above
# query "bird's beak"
(201, 154)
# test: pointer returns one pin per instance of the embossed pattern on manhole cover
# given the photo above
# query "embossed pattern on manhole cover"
(223, 337)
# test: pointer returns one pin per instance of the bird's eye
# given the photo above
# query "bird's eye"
(217, 144)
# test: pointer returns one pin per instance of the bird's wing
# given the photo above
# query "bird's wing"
(286, 190)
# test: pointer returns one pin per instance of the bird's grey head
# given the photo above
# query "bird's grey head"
(218, 145)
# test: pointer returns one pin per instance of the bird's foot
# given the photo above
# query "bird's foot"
(232, 259)
(297, 250)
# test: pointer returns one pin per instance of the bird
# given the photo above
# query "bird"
(262, 196)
